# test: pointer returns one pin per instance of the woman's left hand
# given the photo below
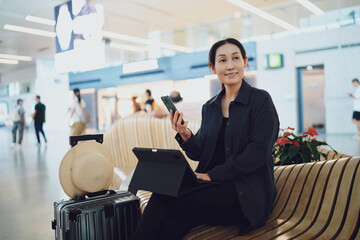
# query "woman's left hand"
(203, 176)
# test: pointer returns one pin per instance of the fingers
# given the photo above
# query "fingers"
(179, 119)
(202, 176)
(171, 115)
(185, 124)
(176, 120)
(172, 119)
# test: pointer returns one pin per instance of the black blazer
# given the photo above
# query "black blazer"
(251, 132)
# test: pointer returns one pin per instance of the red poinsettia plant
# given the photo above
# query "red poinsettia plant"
(294, 149)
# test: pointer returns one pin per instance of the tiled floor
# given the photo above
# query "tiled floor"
(29, 182)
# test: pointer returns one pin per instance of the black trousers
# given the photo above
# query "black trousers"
(170, 218)
(39, 128)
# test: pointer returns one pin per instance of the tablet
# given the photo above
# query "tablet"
(164, 171)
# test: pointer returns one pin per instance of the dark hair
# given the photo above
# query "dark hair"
(38, 97)
(19, 100)
(77, 94)
(176, 96)
(148, 92)
(215, 46)
(355, 80)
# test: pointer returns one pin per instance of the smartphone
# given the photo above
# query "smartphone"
(170, 105)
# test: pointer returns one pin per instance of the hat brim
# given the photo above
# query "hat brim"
(66, 164)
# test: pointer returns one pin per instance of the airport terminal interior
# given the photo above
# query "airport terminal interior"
(304, 53)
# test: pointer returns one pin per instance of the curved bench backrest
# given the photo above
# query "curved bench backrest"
(142, 130)
(319, 199)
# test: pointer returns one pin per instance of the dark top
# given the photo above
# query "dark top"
(219, 154)
(149, 102)
(40, 112)
(250, 134)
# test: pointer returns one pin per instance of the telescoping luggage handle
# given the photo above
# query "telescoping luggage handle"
(75, 139)
(94, 194)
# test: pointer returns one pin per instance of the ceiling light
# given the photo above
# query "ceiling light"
(311, 7)
(125, 37)
(144, 41)
(8, 61)
(127, 47)
(264, 15)
(30, 30)
(140, 66)
(176, 47)
(40, 20)
(16, 57)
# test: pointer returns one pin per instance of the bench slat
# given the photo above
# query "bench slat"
(335, 221)
(289, 209)
(282, 181)
(303, 200)
(330, 199)
(314, 201)
(341, 211)
(277, 173)
(321, 201)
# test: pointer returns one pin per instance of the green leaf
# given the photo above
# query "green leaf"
(293, 151)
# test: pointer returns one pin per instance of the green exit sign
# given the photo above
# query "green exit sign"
(273, 60)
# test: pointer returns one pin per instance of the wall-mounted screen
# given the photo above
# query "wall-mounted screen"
(273, 60)
(64, 27)
(79, 45)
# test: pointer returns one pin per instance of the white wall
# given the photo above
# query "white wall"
(22, 75)
(53, 90)
(341, 65)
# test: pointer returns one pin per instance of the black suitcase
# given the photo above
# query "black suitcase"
(113, 216)
(103, 215)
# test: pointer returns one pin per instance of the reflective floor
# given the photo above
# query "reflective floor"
(29, 185)
(29, 181)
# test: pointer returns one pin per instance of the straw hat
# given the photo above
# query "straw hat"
(87, 167)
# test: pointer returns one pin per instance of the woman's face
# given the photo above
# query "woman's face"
(229, 65)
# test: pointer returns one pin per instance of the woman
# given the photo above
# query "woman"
(149, 101)
(78, 114)
(233, 146)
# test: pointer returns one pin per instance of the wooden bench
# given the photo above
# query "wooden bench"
(314, 200)
(142, 130)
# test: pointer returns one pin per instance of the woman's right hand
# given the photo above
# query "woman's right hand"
(182, 129)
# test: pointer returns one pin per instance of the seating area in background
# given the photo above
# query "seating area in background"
(314, 200)
(141, 130)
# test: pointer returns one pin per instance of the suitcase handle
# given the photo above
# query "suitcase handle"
(94, 194)
(75, 139)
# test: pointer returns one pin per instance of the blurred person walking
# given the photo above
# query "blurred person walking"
(356, 107)
(78, 114)
(39, 119)
(17, 115)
